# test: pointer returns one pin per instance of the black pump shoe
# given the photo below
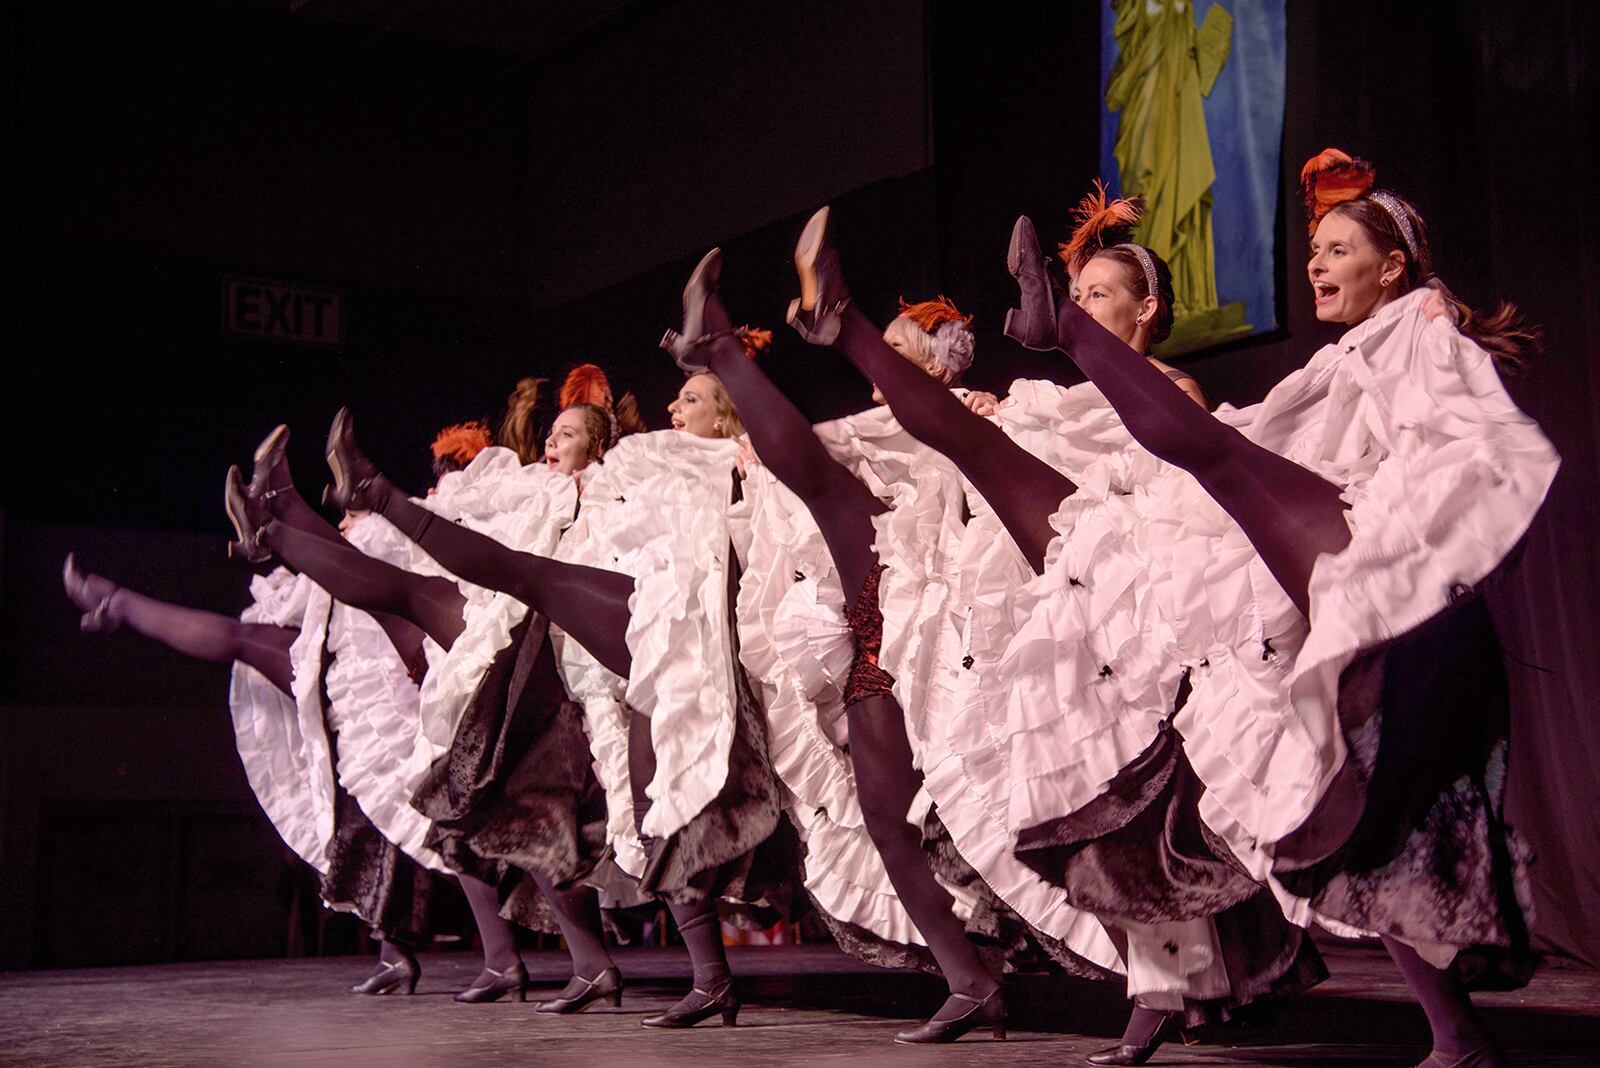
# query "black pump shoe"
(248, 515)
(580, 993)
(823, 294)
(514, 980)
(401, 974)
(1127, 1053)
(1034, 324)
(700, 1005)
(987, 1012)
(353, 473)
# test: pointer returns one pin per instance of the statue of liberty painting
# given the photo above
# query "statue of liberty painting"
(1165, 66)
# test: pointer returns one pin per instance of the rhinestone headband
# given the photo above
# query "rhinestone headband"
(1142, 254)
(1389, 204)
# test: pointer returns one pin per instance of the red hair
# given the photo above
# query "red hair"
(1331, 178)
(1097, 223)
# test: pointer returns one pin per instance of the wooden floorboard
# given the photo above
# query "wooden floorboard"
(804, 1005)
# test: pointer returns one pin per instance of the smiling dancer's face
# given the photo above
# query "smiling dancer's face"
(566, 450)
(1347, 271)
(695, 410)
(1101, 288)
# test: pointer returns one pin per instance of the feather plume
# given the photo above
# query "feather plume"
(754, 339)
(585, 384)
(1098, 222)
(1332, 177)
(932, 314)
(461, 442)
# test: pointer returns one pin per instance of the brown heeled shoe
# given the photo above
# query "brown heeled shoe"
(823, 295)
(402, 973)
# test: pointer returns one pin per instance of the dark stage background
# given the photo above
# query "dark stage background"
(507, 189)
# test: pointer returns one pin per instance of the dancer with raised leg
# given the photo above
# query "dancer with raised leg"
(461, 728)
(696, 860)
(1374, 804)
(880, 751)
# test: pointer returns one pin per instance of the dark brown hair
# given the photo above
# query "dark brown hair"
(1502, 333)
(1161, 324)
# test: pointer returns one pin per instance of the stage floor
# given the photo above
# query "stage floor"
(804, 1005)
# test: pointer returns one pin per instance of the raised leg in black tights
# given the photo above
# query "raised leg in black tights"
(432, 603)
(191, 631)
(1023, 490)
(289, 507)
(880, 752)
(589, 603)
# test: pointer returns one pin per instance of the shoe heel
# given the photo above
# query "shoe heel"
(411, 984)
(1000, 1032)
(730, 1017)
(522, 993)
(615, 997)
(328, 498)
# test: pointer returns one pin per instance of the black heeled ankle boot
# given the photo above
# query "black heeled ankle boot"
(514, 980)
(580, 993)
(987, 1012)
(248, 515)
(400, 974)
(700, 1005)
(687, 346)
(353, 473)
(823, 294)
(1033, 325)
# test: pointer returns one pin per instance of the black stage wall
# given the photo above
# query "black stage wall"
(490, 208)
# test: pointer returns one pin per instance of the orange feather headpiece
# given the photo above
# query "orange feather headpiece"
(461, 442)
(585, 384)
(932, 314)
(754, 339)
(1332, 177)
(1099, 222)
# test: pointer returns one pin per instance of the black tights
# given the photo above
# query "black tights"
(699, 925)
(589, 603)
(885, 774)
(1023, 490)
(207, 635)
(351, 576)
(289, 507)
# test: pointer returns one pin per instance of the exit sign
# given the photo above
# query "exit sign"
(282, 311)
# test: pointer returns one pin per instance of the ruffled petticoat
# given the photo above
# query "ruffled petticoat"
(1075, 671)
(659, 510)
(289, 753)
(523, 507)
(796, 636)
